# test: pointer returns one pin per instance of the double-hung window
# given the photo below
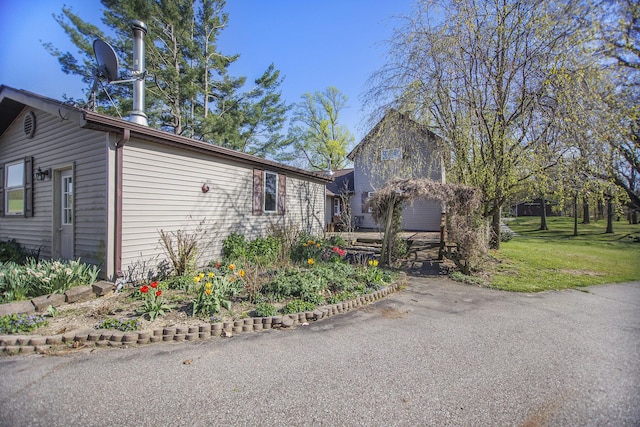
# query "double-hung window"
(14, 188)
(269, 192)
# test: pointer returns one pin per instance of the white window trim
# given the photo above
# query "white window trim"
(264, 193)
(369, 194)
(8, 189)
(337, 205)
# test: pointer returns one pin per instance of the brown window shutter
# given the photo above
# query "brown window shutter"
(365, 196)
(28, 187)
(257, 191)
(282, 194)
(2, 190)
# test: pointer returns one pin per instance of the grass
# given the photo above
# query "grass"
(537, 260)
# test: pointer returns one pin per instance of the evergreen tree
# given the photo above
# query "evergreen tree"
(189, 90)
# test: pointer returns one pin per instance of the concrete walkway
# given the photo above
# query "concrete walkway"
(438, 353)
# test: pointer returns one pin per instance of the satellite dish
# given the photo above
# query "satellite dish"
(106, 59)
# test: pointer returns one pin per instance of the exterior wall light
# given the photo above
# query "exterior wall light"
(41, 175)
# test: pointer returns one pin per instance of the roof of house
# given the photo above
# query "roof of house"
(342, 179)
(13, 101)
(390, 116)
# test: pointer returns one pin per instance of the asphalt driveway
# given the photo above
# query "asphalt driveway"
(437, 353)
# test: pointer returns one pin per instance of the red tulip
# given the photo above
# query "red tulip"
(154, 285)
(158, 293)
(144, 289)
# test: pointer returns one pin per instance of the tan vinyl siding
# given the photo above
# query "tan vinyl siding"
(162, 189)
(59, 143)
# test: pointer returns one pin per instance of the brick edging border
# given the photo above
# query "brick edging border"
(30, 344)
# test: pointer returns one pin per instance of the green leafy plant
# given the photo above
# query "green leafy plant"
(264, 309)
(469, 280)
(124, 325)
(297, 306)
(214, 291)
(19, 323)
(154, 305)
(341, 296)
(18, 282)
(234, 247)
(52, 311)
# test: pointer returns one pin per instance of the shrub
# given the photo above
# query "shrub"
(183, 252)
(297, 306)
(264, 309)
(19, 323)
(234, 247)
(12, 251)
(264, 251)
(295, 283)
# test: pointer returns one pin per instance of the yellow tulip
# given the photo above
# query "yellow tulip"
(310, 261)
(210, 274)
(241, 273)
(232, 267)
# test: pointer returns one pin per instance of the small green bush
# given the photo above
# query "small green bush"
(264, 309)
(297, 306)
(124, 325)
(234, 247)
(19, 323)
(12, 251)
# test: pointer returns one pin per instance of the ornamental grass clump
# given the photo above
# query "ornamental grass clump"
(154, 305)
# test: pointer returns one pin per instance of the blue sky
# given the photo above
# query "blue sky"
(315, 44)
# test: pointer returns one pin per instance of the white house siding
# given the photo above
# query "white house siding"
(162, 190)
(59, 143)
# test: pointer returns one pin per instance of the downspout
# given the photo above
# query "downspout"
(117, 253)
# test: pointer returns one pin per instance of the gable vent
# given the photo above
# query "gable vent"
(29, 124)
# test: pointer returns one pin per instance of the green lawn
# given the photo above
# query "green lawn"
(555, 259)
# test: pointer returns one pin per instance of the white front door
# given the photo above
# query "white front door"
(65, 224)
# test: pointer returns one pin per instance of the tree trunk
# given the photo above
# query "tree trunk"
(543, 214)
(575, 214)
(385, 251)
(495, 226)
(610, 214)
(634, 216)
(585, 210)
(600, 214)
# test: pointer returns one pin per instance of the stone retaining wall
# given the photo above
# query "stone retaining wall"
(26, 344)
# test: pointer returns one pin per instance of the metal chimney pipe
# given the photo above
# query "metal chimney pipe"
(138, 115)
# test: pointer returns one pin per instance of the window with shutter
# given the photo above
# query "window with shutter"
(17, 188)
